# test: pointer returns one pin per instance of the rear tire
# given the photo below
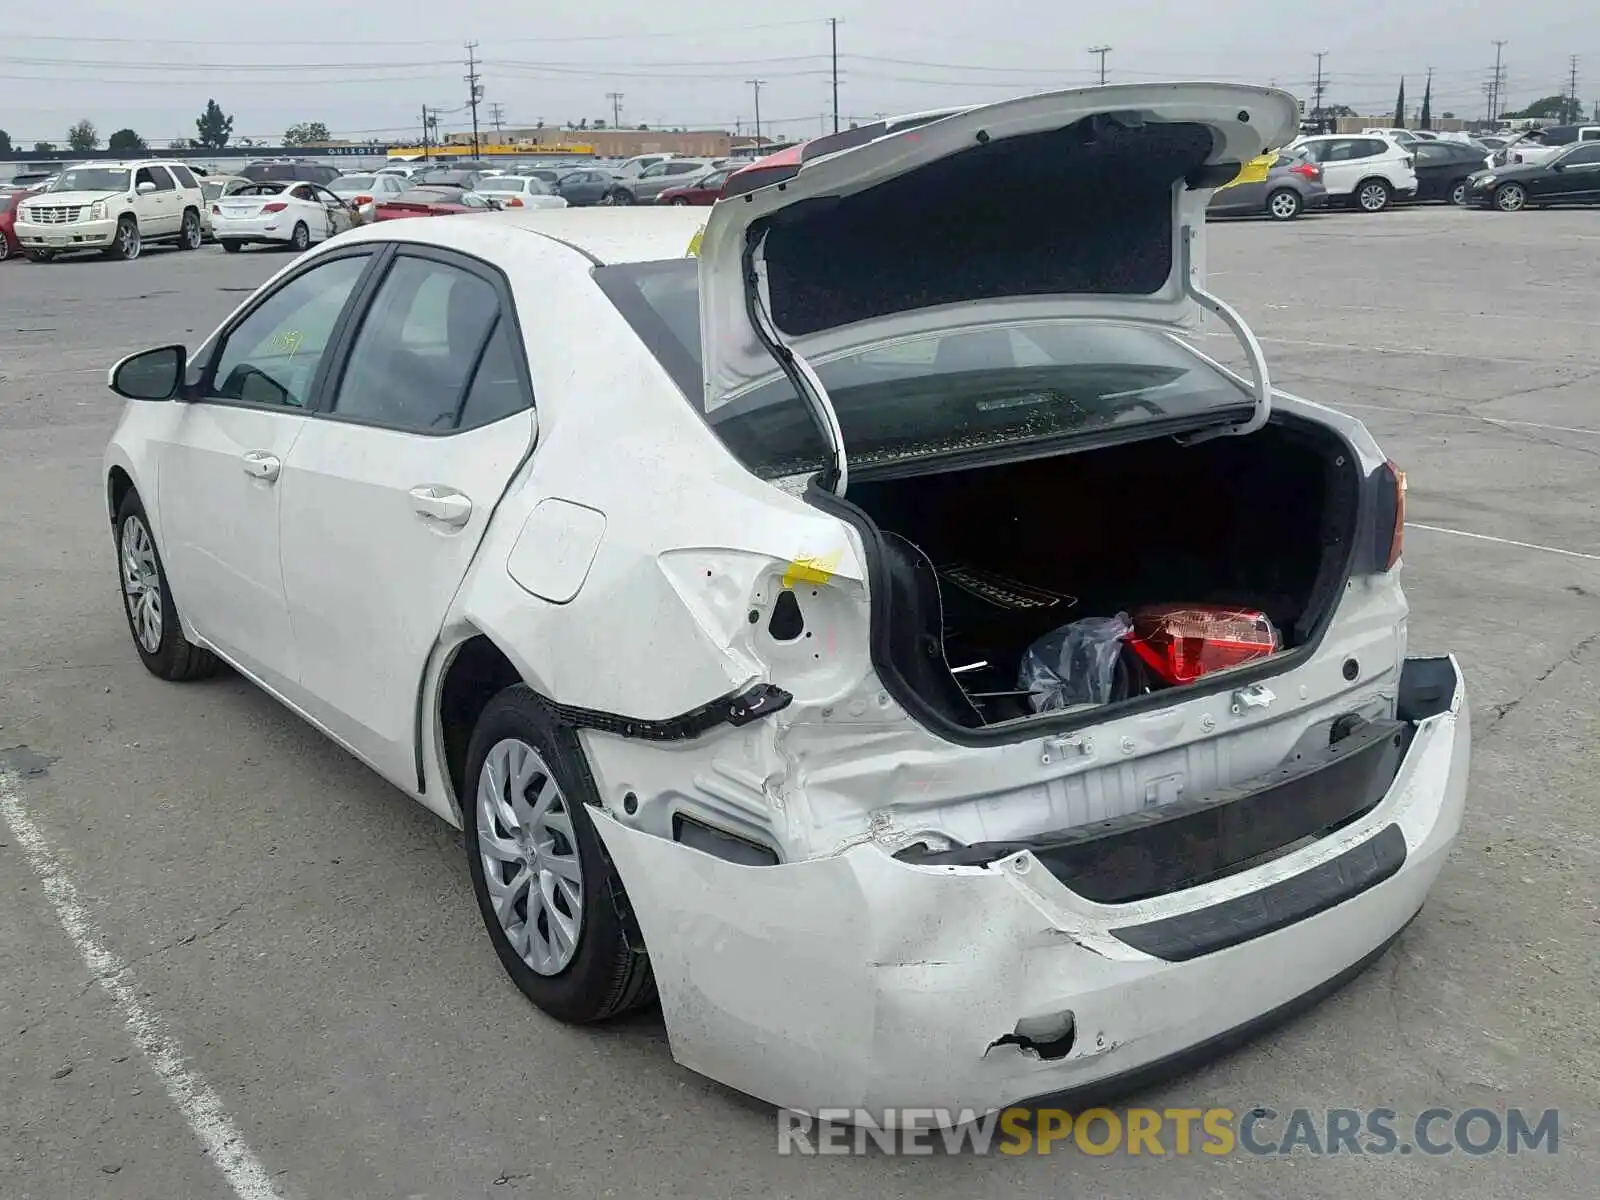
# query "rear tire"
(300, 239)
(147, 602)
(1458, 193)
(680, 202)
(606, 970)
(5, 248)
(1372, 195)
(1284, 204)
(190, 235)
(232, 246)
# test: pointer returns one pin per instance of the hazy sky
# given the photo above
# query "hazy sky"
(367, 69)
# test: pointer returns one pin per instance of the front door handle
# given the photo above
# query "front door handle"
(258, 464)
(442, 505)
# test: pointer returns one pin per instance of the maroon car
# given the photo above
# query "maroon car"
(703, 192)
(8, 220)
(440, 201)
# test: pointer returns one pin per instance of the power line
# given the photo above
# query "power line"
(542, 40)
(1102, 51)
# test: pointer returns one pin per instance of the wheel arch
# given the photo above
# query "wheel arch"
(471, 672)
(119, 483)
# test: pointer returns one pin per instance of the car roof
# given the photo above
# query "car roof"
(609, 236)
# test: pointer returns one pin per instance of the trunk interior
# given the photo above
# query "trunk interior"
(981, 563)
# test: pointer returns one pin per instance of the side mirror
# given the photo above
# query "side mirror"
(1558, 166)
(151, 374)
(145, 188)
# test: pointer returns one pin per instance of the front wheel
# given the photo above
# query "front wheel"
(1372, 196)
(1510, 197)
(191, 235)
(300, 239)
(127, 244)
(39, 256)
(548, 892)
(1284, 204)
(147, 601)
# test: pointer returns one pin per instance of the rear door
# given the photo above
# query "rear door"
(389, 489)
(1578, 180)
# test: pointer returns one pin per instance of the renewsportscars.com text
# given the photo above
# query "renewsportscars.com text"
(1176, 1132)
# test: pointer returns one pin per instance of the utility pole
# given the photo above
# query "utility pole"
(833, 29)
(756, 84)
(616, 109)
(1495, 105)
(1102, 51)
(1316, 92)
(474, 91)
(424, 133)
(1574, 106)
(496, 118)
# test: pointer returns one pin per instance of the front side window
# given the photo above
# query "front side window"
(271, 357)
(937, 393)
(413, 359)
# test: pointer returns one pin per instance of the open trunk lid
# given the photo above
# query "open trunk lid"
(1079, 204)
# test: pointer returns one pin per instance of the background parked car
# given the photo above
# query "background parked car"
(1572, 177)
(434, 201)
(1367, 172)
(291, 214)
(288, 170)
(214, 188)
(702, 192)
(1443, 169)
(448, 177)
(9, 200)
(654, 180)
(583, 188)
(1280, 185)
(365, 192)
(519, 191)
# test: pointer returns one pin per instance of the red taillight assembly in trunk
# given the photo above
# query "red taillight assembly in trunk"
(1181, 642)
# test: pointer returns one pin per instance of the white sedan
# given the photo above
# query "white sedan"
(365, 192)
(291, 214)
(713, 580)
(518, 191)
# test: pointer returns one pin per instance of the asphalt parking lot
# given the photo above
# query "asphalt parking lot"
(296, 943)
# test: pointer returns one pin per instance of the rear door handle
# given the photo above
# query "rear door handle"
(258, 464)
(442, 505)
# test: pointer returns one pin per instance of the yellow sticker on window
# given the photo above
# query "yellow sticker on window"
(694, 242)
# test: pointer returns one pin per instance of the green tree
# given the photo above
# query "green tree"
(5, 142)
(1400, 106)
(83, 136)
(44, 148)
(1425, 118)
(1548, 108)
(126, 140)
(214, 126)
(305, 133)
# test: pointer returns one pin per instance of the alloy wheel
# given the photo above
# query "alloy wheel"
(1458, 194)
(530, 857)
(1374, 196)
(5, 248)
(1284, 205)
(128, 241)
(141, 584)
(192, 235)
(1510, 197)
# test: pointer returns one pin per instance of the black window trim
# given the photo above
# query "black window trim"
(203, 391)
(337, 359)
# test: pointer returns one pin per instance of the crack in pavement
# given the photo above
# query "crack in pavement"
(188, 939)
(1504, 709)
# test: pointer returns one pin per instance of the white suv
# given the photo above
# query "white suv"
(114, 208)
(1366, 171)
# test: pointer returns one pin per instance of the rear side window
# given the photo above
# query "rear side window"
(415, 363)
(183, 176)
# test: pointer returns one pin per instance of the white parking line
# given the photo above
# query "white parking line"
(1454, 416)
(194, 1098)
(1484, 537)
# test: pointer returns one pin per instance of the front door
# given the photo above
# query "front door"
(387, 495)
(160, 211)
(219, 477)
(1578, 180)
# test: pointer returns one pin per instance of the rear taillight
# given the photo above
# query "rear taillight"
(1306, 171)
(1397, 532)
(216, 210)
(513, 202)
(1182, 642)
(359, 200)
(275, 206)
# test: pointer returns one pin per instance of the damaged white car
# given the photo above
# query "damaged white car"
(881, 635)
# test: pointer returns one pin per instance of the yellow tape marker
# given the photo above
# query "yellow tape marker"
(817, 568)
(694, 242)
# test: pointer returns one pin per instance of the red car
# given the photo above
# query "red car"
(439, 201)
(703, 192)
(8, 220)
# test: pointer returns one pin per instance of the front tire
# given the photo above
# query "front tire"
(147, 602)
(1510, 197)
(1284, 204)
(191, 235)
(40, 256)
(548, 892)
(1372, 195)
(300, 239)
(127, 244)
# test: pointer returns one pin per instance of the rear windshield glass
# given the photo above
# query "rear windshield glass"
(938, 394)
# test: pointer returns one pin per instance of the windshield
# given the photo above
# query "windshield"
(92, 179)
(939, 393)
(429, 196)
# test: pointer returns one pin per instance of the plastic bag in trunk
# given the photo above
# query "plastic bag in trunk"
(1075, 664)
